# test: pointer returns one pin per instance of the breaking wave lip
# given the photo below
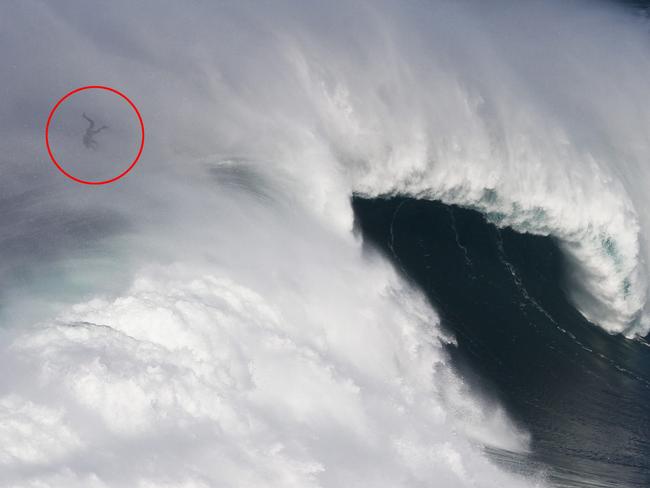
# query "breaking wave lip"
(502, 144)
(606, 276)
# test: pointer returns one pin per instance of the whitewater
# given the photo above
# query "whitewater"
(214, 319)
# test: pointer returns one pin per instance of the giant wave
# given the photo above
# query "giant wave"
(212, 318)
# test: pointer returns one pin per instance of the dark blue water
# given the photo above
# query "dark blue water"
(582, 394)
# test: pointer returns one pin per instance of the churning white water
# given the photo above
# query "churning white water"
(211, 319)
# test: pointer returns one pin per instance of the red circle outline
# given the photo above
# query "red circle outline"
(47, 134)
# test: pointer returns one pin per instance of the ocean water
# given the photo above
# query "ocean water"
(581, 393)
(368, 243)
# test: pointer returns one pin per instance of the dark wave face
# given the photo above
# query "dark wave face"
(584, 395)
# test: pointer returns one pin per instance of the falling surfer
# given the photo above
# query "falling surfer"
(89, 137)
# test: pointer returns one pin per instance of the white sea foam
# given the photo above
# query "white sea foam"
(317, 367)
(211, 319)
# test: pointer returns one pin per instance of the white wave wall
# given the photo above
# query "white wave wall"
(301, 365)
(211, 320)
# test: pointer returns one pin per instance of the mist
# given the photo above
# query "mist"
(212, 318)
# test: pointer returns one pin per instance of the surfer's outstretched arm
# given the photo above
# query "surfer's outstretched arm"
(90, 121)
(97, 131)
